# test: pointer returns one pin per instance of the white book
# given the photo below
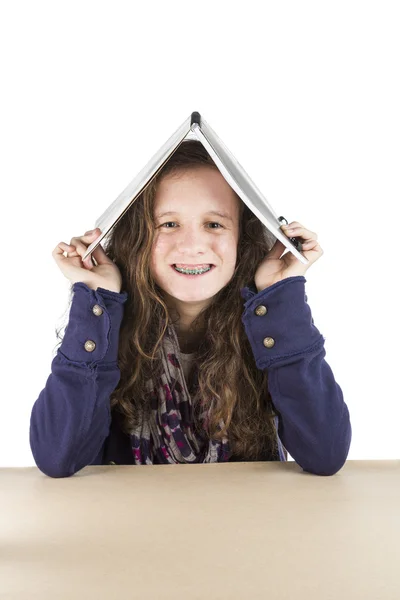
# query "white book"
(195, 127)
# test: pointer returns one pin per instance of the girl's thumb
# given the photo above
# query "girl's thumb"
(276, 249)
(100, 256)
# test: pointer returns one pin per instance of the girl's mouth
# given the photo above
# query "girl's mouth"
(191, 274)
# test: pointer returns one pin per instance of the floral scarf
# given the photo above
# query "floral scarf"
(168, 435)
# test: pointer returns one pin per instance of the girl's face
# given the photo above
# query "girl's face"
(193, 235)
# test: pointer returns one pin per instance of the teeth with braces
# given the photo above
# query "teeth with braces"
(192, 271)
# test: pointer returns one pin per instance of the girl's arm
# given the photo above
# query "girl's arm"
(314, 423)
(71, 418)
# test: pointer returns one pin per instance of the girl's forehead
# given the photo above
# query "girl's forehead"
(207, 179)
(196, 195)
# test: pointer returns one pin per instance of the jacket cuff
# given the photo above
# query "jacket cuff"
(278, 322)
(92, 332)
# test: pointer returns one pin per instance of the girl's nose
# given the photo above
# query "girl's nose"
(191, 240)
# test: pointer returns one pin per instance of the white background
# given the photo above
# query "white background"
(304, 94)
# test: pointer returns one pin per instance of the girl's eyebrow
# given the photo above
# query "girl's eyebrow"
(210, 212)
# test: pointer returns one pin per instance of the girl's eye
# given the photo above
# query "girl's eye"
(173, 222)
(215, 223)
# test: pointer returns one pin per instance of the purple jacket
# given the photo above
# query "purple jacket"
(71, 424)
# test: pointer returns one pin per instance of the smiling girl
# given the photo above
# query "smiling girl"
(189, 339)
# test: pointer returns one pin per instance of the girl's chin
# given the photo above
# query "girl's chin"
(182, 294)
(185, 297)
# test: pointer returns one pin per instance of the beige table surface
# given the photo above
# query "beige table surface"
(217, 531)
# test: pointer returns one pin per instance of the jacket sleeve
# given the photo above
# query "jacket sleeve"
(71, 418)
(313, 419)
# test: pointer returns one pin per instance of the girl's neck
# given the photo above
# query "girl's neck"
(188, 342)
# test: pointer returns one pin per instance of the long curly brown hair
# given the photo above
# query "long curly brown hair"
(224, 374)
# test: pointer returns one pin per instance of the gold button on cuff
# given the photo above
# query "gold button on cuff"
(111, 462)
(97, 310)
(90, 346)
(269, 342)
(261, 310)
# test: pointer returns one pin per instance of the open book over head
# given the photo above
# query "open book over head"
(195, 127)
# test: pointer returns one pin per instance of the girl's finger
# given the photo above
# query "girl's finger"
(61, 248)
(315, 248)
(77, 248)
(87, 239)
(310, 244)
(92, 233)
(299, 231)
(292, 225)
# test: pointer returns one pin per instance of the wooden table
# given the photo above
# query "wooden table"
(263, 530)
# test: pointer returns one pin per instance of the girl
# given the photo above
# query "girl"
(189, 339)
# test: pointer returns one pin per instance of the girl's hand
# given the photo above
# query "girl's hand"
(273, 268)
(104, 274)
